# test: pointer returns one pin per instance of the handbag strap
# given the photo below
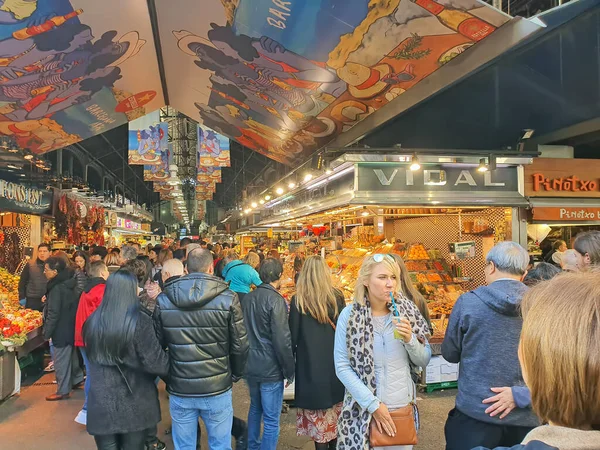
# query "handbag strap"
(331, 323)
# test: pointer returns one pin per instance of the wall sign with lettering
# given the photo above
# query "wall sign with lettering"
(550, 177)
(15, 197)
(557, 214)
(440, 178)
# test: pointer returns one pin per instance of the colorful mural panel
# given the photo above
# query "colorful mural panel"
(213, 149)
(69, 70)
(286, 77)
(148, 141)
(160, 172)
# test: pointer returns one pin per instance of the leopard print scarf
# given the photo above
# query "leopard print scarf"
(354, 421)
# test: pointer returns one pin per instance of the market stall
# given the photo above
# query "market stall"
(564, 198)
(442, 219)
(22, 209)
(121, 228)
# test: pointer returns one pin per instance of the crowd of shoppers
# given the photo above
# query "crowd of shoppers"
(525, 343)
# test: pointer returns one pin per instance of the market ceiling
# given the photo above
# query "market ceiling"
(548, 83)
(283, 78)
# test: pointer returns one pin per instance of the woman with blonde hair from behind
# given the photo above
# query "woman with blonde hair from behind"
(377, 343)
(559, 352)
(313, 315)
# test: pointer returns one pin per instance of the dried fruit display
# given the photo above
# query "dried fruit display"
(417, 251)
(434, 277)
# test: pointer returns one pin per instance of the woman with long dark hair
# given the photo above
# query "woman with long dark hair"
(82, 268)
(125, 358)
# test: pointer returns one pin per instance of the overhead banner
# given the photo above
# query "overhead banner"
(209, 174)
(148, 139)
(285, 78)
(213, 148)
(73, 69)
(159, 172)
(165, 190)
(203, 194)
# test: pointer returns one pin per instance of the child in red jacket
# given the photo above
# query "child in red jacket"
(88, 303)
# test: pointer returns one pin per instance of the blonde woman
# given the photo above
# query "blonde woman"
(410, 291)
(112, 262)
(314, 310)
(374, 365)
(558, 352)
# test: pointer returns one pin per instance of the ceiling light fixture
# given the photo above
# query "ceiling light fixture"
(415, 165)
(13, 150)
(261, 201)
(483, 167)
(279, 191)
(28, 157)
(253, 204)
(308, 177)
(292, 185)
(267, 197)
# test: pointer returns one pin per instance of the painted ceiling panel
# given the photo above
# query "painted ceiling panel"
(70, 70)
(286, 77)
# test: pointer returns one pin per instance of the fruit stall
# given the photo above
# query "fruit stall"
(20, 332)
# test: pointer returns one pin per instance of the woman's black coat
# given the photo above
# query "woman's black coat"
(317, 386)
(124, 399)
(60, 309)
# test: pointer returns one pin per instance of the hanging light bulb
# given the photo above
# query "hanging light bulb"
(279, 190)
(415, 165)
(292, 185)
(483, 167)
(267, 197)
(253, 204)
(262, 202)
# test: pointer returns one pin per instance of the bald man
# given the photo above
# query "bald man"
(172, 269)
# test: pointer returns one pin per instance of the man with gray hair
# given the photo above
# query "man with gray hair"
(483, 336)
(128, 253)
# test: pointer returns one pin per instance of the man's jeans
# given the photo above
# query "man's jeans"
(86, 386)
(266, 400)
(216, 413)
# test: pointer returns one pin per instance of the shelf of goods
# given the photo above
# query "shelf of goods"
(18, 325)
(428, 272)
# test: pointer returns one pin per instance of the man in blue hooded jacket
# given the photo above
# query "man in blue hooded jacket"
(483, 335)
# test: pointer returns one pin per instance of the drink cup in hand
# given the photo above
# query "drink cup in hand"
(396, 320)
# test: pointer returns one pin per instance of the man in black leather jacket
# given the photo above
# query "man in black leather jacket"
(270, 359)
(203, 327)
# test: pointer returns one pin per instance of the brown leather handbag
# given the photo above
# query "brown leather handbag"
(406, 433)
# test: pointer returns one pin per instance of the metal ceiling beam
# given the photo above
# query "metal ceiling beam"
(158, 46)
(586, 127)
(126, 163)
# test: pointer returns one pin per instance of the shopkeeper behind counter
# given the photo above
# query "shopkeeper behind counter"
(33, 282)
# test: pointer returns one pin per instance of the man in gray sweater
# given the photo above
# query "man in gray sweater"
(483, 335)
